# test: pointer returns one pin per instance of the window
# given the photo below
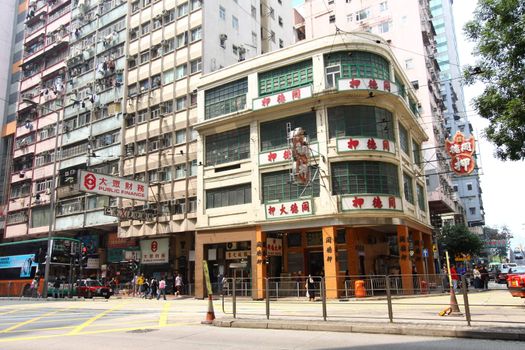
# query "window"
(359, 64)
(222, 13)
(144, 85)
(144, 57)
(182, 39)
(168, 17)
(142, 116)
(196, 34)
(195, 4)
(193, 99)
(281, 43)
(180, 171)
(273, 133)
(332, 74)
(169, 45)
(227, 196)
(277, 186)
(155, 81)
(235, 23)
(153, 144)
(141, 147)
(416, 149)
(383, 6)
(168, 76)
(285, 78)
(180, 136)
(363, 14)
(272, 36)
(363, 177)
(331, 19)
(228, 146)
(409, 63)
(455, 188)
(421, 197)
(196, 65)
(182, 10)
(41, 216)
(472, 210)
(193, 134)
(145, 28)
(280, 20)
(254, 11)
(254, 39)
(180, 103)
(403, 139)
(42, 185)
(469, 187)
(227, 98)
(345, 121)
(181, 71)
(407, 187)
(384, 27)
(157, 23)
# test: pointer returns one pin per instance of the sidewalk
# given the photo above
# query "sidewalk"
(475, 332)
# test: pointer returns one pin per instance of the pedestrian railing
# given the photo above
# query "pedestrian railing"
(387, 298)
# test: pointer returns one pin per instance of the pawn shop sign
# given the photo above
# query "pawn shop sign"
(461, 152)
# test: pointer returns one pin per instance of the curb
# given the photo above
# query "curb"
(516, 334)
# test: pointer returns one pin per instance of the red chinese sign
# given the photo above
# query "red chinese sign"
(283, 97)
(461, 151)
(274, 247)
(112, 186)
(357, 202)
(288, 209)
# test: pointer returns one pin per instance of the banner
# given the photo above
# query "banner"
(24, 262)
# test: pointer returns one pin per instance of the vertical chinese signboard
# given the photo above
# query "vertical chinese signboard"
(461, 151)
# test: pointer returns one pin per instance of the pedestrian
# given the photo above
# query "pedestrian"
(224, 284)
(310, 288)
(455, 277)
(56, 288)
(484, 277)
(478, 284)
(178, 285)
(162, 289)
(153, 285)
(145, 288)
(140, 284)
(34, 287)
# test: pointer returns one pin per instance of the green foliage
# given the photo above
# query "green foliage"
(457, 239)
(490, 233)
(498, 31)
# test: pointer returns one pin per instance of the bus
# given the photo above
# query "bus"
(22, 262)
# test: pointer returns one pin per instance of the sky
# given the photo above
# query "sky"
(501, 182)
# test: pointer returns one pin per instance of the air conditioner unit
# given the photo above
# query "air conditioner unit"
(231, 246)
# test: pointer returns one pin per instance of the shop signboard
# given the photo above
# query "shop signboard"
(129, 214)
(93, 263)
(237, 254)
(288, 209)
(116, 255)
(91, 182)
(283, 155)
(368, 84)
(367, 202)
(283, 97)
(115, 242)
(356, 143)
(274, 246)
(155, 251)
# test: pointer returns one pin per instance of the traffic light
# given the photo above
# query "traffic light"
(83, 255)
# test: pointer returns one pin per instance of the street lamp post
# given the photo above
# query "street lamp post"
(51, 196)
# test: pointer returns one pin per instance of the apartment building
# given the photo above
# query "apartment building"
(466, 188)
(170, 44)
(406, 27)
(311, 174)
(12, 15)
(40, 107)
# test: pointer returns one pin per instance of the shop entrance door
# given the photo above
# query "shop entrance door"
(315, 263)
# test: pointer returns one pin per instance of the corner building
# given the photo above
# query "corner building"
(364, 210)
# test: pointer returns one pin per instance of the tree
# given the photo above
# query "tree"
(490, 233)
(457, 239)
(498, 31)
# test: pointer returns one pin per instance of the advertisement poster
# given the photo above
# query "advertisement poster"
(91, 243)
(24, 262)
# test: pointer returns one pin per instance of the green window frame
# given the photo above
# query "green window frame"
(273, 134)
(277, 186)
(421, 197)
(359, 64)
(228, 146)
(227, 98)
(401, 90)
(228, 196)
(408, 188)
(285, 78)
(416, 149)
(358, 120)
(403, 139)
(363, 177)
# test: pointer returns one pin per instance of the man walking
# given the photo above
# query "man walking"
(178, 285)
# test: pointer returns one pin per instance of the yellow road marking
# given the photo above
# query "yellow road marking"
(80, 327)
(40, 329)
(9, 312)
(163, 319)
(30, 321)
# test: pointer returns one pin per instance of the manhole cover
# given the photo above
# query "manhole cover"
(143, 330)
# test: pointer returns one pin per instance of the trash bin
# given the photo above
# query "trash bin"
(424, 287)
(360, 290)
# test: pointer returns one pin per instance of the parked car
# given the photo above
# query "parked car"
(501, 271)
(89, 288)
(518, 255)
(516, 282)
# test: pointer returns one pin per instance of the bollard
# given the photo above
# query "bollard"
(360, 290)
(465, 299)
(234, 299)
(389, 300)
(267, 298)
(323, 296)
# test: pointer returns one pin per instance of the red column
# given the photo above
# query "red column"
(404, 259)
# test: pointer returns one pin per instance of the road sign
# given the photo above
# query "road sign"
(425, 253)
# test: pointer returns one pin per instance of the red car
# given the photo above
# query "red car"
(93, 288)
(516, 282)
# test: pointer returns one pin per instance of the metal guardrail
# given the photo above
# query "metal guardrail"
(387, 291)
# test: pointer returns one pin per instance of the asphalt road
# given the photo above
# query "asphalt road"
(151, 324)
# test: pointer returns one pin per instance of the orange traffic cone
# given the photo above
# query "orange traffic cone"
(454, 307)
(210, 315)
